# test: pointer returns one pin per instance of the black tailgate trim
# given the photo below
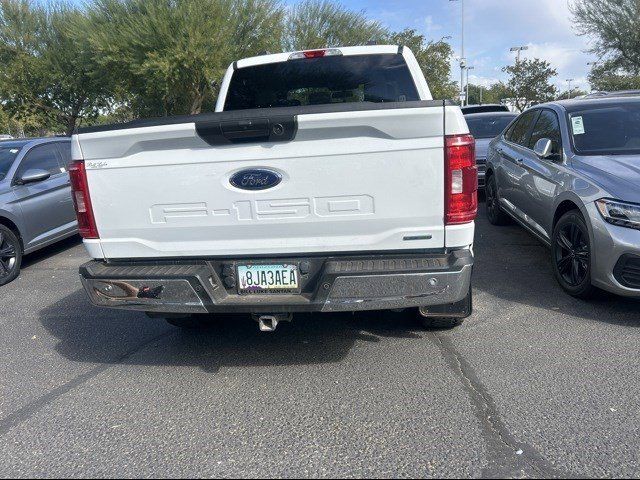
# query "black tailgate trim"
(261, 113)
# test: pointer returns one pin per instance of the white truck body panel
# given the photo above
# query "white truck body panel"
(352, 181)
(323, 187)
(343, 188)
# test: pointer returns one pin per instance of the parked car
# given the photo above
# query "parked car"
(36, 208)
(569, 172)
(325, 181)
(619, 93)
(486, 108)
(485, 127)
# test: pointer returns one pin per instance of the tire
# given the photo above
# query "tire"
(193, 322)
(495, 214)
(440, 323)
(10, 255)
(571, 255)
(460, 310)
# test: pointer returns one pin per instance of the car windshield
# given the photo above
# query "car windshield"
(7, 157)
(488, 126)
(321, 81)
(609, 129)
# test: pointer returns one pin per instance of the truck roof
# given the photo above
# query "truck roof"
(283, 57)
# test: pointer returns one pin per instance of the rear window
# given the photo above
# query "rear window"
(612, 129)
(322, 81)
(488, 126)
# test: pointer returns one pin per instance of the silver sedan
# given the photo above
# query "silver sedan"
(569, 172)
(36, 208)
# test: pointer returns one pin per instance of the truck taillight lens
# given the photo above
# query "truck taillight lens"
(461, 179)
(82, 200)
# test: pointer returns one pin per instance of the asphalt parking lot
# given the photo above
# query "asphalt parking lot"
(534, 384)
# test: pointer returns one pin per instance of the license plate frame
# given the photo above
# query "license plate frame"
(247, 287)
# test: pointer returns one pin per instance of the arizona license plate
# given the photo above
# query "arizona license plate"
(281, 278)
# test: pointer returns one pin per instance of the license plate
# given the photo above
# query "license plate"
(281, 278)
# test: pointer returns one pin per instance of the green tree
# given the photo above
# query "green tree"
(573, 93)
(322, 23)
(614, 29)
(434, 60)
(497, 92)
(47, 80)
(166, 57)
(606, 76)
(530, 82)
(494, 93)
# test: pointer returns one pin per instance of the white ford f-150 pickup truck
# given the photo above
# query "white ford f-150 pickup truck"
(326, 180)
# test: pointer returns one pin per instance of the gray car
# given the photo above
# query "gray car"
(36, 208)
(485, 126)
(569, 172)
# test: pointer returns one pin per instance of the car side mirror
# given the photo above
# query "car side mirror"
(544, 148)
(34, 175)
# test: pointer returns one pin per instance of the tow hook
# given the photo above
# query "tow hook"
(269, 322)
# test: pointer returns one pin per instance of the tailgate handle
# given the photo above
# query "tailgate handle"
(249, 129)
(279, 128)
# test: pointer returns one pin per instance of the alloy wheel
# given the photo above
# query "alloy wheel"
(8, 256)
(572, 254)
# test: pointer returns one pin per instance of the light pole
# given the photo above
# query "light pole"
(463, 61)
(569, 80)
(518, 50)
(468, 68)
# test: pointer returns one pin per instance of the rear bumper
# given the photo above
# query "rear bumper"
(330, 284)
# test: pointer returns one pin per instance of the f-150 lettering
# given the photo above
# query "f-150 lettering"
(270, 209)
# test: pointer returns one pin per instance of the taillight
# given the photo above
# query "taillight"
(325, 52)
(82, 200)
(461, 179)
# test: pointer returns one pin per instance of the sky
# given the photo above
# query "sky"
(492, 27)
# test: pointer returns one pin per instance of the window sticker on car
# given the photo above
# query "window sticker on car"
(578, 125)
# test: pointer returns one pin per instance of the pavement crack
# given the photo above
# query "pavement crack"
(508, 458)
(29, 410)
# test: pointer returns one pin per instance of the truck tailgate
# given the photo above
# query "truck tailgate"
(353, 180)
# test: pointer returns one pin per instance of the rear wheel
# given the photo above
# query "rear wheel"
(10, 255)
(452, 314)
(494, 212)
(440, 323)
(571, 255)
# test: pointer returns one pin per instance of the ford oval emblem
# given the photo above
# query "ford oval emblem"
(255, 179)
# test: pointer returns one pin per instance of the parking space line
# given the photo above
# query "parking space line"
(23, 414)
